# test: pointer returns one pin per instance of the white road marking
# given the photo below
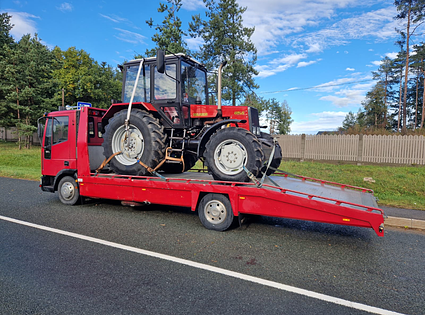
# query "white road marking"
(272, 284)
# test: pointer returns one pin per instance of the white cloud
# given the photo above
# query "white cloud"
(194, 43)
(130, 37)
(349, 96)
(65, 7)
(391, 55)
(350, 69)
(278, 21)
(305, 64)
(324, 121)
(279, 64)
(114, 19)
(192, 5)
(23, 24)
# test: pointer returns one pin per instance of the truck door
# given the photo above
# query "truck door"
(58, 150)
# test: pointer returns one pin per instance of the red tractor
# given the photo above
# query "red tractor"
(164, 125)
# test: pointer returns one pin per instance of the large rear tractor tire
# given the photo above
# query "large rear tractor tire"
(230, 149)
(277, 157)
(145, 142)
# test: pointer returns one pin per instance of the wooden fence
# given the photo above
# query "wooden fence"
(355, 148)
(10, 134)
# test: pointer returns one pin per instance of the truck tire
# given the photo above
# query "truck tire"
(228, 150)
(215, 212)
(68, 191)
(146, 142)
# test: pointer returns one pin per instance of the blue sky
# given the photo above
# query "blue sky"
(317, 55)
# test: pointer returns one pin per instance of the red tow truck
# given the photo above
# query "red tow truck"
(72, 156)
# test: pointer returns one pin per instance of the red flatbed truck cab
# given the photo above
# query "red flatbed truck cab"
(72, 152)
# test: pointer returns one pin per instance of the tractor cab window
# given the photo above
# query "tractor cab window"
(143, 87)
(165, 83)
(193, 84)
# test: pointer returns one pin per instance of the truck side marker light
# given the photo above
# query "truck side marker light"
(242, 198)
(346, 220)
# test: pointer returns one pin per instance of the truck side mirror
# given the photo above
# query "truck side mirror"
(160, 62)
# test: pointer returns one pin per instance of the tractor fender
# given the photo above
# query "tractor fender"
(117, 107)
(207, 135)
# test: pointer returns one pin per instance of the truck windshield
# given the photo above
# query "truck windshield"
(193, 84)
(143, 87)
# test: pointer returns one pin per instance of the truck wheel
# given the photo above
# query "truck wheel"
(69, 193)
(215, 212)
(230, 149)
(146, 142)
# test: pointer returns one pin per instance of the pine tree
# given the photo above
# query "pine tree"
(6, 46)
(169, 34)
(226, 38)
(28, 86)
(374, 107)
(413, 12)
(278, 116)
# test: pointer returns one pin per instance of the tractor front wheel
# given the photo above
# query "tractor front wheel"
(229, 150)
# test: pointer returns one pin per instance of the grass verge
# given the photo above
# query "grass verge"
(15, 163)
(400, 186)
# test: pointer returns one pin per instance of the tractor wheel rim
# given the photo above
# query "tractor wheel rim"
(132, 147)
(230, 156)
(215, 212)
(67, 191)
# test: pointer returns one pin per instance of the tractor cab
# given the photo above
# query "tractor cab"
(180, 82)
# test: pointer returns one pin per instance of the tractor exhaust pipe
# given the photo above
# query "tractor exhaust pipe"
(220, 69)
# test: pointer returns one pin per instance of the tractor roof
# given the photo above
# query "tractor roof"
(179, 55)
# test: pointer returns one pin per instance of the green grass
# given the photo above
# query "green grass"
(15, 163)
(400, 186)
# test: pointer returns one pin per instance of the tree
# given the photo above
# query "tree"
(374, 107)
(28, 87)
(385, 75)
(419, 65)
(278, 116)
(6, 43)
(83, 79)
(412, 11)
(5, 27)
(226, 39)
(255, 101)
(169, 34)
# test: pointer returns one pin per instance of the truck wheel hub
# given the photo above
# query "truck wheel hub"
(67, 190)
(215, 212)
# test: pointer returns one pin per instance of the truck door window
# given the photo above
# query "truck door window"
(165, 84)
(143, 87)
(60, 129)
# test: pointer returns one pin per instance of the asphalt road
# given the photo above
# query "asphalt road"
(45, 272)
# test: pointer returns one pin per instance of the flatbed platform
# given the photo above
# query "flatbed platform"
(299, 198)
